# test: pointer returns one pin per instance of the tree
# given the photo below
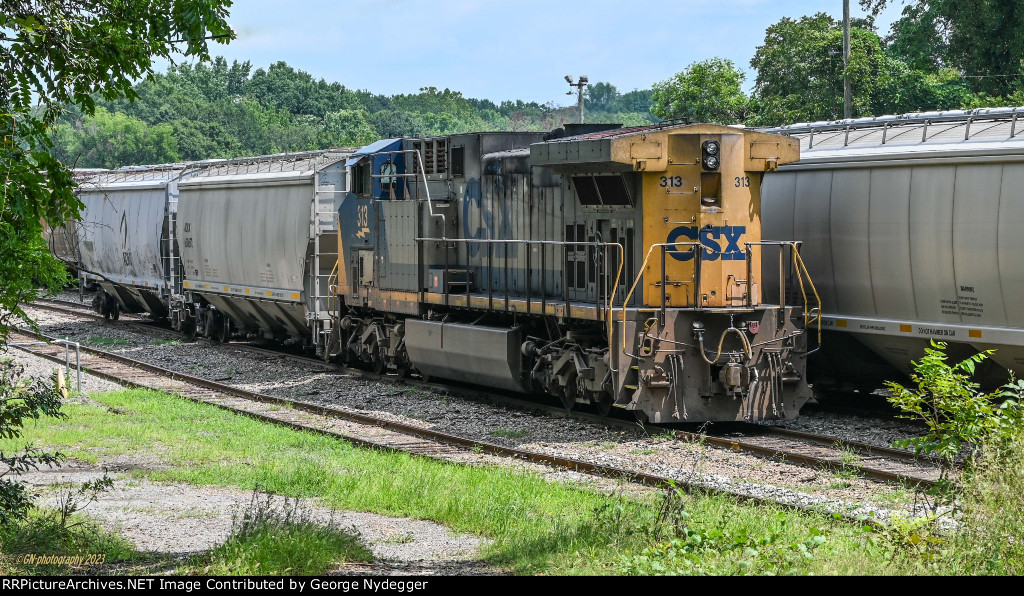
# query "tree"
(899, 88)
(54, 54)
(982, 39)
(707, 91)
(204, 140)
(638, 101)
(114, 140)
(297, 92)
(63, 52)
(601, 97)
(392, 124)
(800, 70)
(347, 128)
(21, 400)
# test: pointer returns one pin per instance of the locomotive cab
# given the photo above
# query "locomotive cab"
(694, 337)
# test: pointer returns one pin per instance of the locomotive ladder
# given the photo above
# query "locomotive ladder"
(172, 260)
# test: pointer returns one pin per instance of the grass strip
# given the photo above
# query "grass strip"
(537, 526)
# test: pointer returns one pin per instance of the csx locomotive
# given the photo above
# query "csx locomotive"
(605, 266)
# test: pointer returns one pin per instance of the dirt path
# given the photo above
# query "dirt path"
(181, 519)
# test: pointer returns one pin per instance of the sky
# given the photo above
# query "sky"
(498, 50)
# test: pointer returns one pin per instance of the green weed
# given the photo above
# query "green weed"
(268, 539)
(106, 341)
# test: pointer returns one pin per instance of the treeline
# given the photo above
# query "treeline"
(940, 55)
(221, 110)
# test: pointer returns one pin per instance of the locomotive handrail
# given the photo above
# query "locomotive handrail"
(695, 248)
(426, 187)
(640, 272)
(332, 290)
(798, 260)
(801, 271)
(607, 307)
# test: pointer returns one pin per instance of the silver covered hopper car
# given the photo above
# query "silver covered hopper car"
(125, 238)
(258, 243)
(913, 232)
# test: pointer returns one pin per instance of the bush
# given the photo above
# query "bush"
(47, 533)
(21, 400)
(959, 417)
(984, 430)
(992, 541)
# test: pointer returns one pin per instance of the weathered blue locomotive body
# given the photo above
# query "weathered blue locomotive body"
(616, 267)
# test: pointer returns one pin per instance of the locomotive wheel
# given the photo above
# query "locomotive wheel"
(344, 353)
(568, 394)
(603, 403)
(378, 360)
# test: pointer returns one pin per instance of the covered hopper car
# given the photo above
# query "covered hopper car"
(125, 238)
(912, 229)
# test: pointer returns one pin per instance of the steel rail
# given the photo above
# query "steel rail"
(326, 411)
(789, 455)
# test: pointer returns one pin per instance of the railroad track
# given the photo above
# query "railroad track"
(412, 439)
(794, 447)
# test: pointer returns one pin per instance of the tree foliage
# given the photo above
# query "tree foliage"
(707, 91)
(222, 110)
(69, 52)
(56, 54)
(800, 70)
(981, 39)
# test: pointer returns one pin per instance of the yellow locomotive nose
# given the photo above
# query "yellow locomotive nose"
(702, 214)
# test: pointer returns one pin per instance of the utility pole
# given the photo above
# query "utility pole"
(847, 92)
(579, 88)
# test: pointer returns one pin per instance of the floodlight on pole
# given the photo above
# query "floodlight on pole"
(579, 89)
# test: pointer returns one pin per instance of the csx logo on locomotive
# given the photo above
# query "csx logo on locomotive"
(708, 237)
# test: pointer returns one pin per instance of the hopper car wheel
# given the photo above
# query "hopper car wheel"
(603, 403)
(225, 330)
(188, 327)
(344, 355)
(115, 312)
(641, 417)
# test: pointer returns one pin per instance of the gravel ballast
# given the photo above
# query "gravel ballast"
(311, 382)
